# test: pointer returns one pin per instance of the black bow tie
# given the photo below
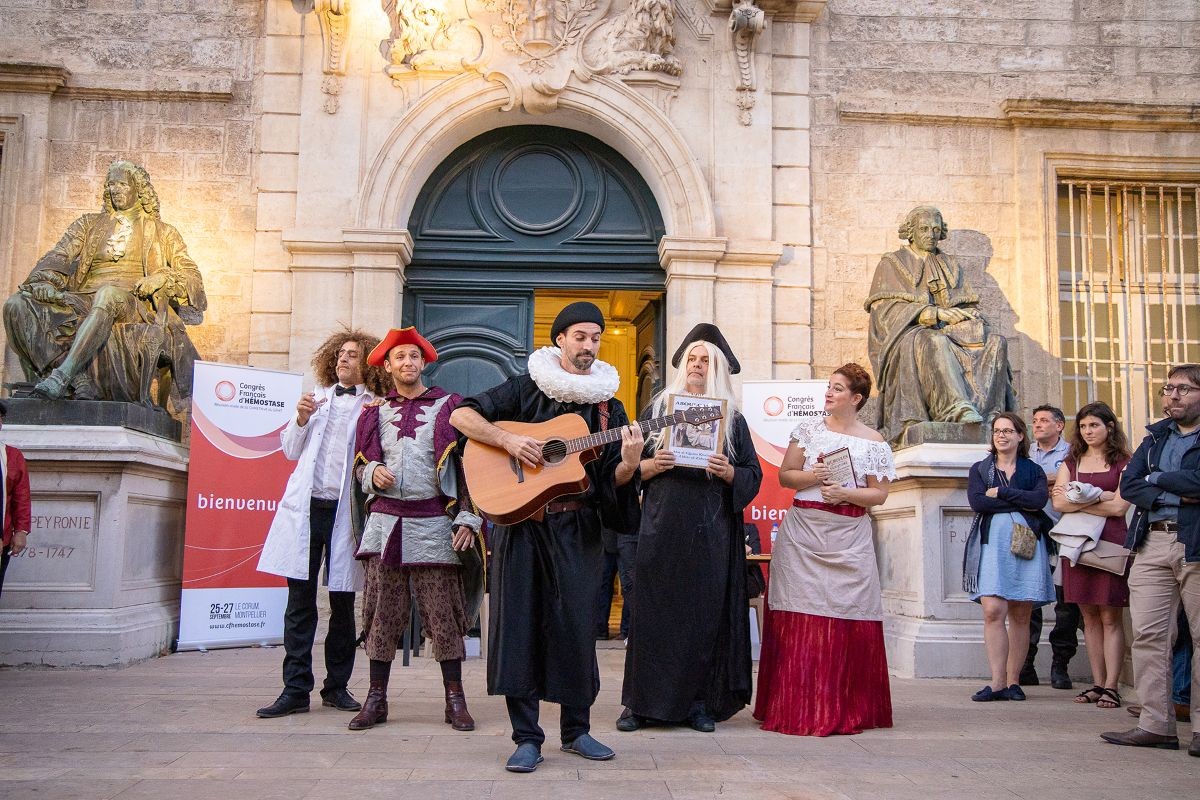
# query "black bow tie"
(340, 390)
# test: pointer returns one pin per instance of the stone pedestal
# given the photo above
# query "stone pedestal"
(931, 628)
(99, 583)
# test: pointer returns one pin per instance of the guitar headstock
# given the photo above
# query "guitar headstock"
(697, 415)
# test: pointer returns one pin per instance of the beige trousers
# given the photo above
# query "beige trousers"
(1158, 581)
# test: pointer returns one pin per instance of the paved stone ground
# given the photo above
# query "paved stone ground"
(183, 727)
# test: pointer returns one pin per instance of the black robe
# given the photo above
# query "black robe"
(545, 575)
(689, 633)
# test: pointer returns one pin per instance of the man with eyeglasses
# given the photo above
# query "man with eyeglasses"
(1163, 481)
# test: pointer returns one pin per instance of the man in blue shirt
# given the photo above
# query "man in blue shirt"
(1048, 452)
(1163, 481)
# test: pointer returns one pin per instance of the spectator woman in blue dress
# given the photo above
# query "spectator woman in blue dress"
(1007, 491)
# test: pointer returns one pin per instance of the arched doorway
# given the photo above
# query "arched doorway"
(513, 225)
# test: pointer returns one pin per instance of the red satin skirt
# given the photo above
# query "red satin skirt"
(820, 676)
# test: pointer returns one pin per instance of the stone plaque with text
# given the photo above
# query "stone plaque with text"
(62, 546)
(956, 524)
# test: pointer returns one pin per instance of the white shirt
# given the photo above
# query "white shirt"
(331, 453)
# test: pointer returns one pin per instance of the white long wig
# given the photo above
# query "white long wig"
(716, 385)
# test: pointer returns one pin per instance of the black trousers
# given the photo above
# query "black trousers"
(1064, 638)
(300, 618)
(523, 714)
(626, 556)
(608, 571)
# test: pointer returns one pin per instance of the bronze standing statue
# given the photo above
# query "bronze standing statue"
(103, 314)
(934, 358)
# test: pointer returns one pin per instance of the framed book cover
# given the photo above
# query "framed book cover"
(841, 468)
(693, 444)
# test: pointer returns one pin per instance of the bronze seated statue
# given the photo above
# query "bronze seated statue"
(103, 315)
(934, 356)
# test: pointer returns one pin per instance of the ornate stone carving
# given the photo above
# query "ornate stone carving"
(536, 31)
(533, 47)
(640, 38)
(694, 19)
(334, 19)
(746, 22)
(429, 36)
(333, 16)
(331, 87)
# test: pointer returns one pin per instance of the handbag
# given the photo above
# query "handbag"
(1106, 556)
(1024, 541)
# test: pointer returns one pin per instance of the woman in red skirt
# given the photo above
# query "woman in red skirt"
(823, 669)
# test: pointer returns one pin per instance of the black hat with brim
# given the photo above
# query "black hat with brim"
(578, 312)
(707, 332)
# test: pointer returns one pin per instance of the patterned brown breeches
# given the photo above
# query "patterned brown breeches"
(387, 604)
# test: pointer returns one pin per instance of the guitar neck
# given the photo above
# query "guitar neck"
(614, 435)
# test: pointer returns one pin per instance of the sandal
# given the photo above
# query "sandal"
(1109, 698)
(1086, 696)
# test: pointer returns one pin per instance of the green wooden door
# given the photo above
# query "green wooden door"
(512, 211)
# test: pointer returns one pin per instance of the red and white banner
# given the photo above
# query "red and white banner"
(772, 410)
(236, 478)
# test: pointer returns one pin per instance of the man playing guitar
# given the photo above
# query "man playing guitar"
(545, 569)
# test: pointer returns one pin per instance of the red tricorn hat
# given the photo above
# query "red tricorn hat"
(398, 336)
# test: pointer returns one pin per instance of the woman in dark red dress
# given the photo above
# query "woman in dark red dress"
(1099, 453)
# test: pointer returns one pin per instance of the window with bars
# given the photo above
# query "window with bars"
(1129, 291)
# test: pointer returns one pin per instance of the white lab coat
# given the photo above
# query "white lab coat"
(285, 552)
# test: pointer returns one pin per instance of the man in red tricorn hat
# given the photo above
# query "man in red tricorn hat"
(419, 529)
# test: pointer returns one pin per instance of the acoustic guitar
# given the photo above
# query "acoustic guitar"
(508, 491)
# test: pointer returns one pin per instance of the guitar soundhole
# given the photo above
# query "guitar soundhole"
(554, 451)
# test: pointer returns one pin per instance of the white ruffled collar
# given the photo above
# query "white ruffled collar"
(545, 368)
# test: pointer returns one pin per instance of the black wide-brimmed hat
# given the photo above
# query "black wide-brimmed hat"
(707, 332)
(575, 313)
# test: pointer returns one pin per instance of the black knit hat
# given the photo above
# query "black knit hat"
(573, 314)
(707, 332)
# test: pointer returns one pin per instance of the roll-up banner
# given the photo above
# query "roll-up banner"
(772, 410)
(236, 478)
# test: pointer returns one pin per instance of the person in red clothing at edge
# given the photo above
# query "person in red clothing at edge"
(15, 501)
(823, 669)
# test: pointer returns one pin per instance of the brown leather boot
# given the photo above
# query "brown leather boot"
(375, 709)
(456, 708)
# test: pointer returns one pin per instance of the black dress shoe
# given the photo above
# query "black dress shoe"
(286, 704)
(1028, 676)
(340, 699)
(628, 721)
(1140, 738)
(1059, 678)
(525, 759)
(589, 748)
(701, 721)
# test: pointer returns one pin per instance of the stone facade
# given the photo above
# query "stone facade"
(288, 150)
(167, 85)
(973, 107)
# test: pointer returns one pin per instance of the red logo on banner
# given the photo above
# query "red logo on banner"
(225, 391)
(773, 406)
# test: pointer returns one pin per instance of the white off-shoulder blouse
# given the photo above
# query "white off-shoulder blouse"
(869, 457)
